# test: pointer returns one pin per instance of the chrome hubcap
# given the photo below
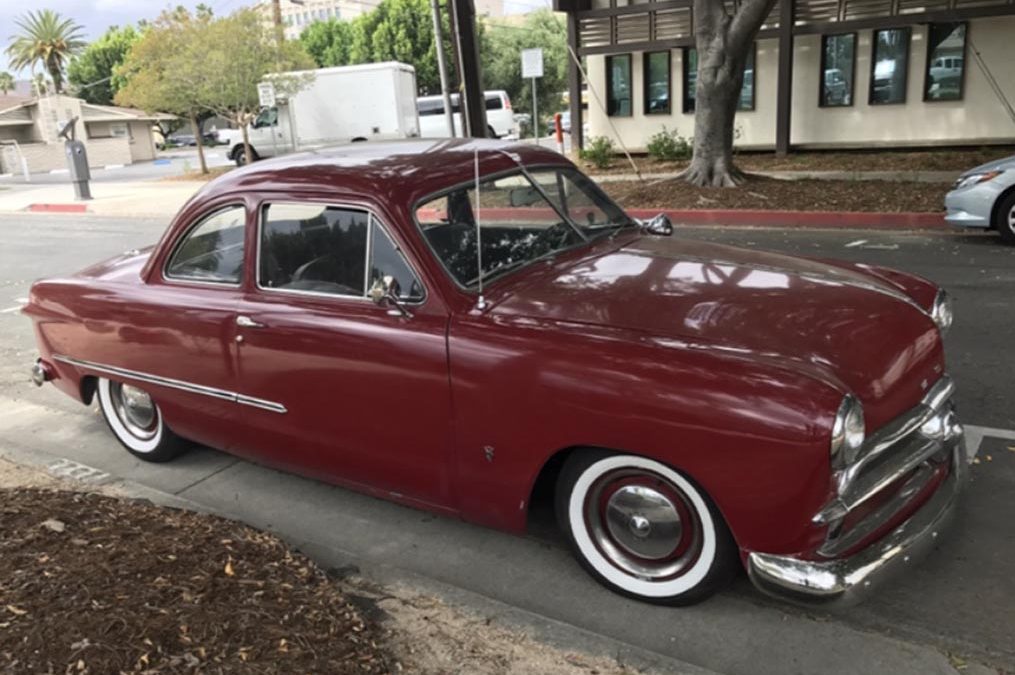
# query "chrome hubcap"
(1011, 220)
(135, 409)
(643, 521)
(643, 525)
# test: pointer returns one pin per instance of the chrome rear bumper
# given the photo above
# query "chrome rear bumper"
(846, 580)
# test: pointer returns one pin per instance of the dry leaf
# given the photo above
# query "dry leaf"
(229, 568)
(16, 611)
(54, 525)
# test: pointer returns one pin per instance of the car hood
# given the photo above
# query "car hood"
(1003, 164)
(857, 329)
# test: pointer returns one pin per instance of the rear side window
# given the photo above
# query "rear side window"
(315, 248)
(213, 250)
(431, 107)
(494, 102)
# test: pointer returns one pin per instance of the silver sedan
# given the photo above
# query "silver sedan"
(985, 197)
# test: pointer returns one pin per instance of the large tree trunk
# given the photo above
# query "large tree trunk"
(723, 42)
(196, 126)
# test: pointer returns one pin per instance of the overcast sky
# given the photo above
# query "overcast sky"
(98, 15)
(94, 15)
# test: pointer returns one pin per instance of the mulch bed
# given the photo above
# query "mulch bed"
(783, 195)
(951, 159)
(93, 584)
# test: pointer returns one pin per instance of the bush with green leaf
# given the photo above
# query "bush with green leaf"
(668, 146)
(598, 152)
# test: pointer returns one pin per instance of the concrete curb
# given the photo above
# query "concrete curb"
(800, 219)
(888, 176)
(57, 208)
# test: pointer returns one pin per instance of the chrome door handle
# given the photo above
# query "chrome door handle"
(246, 322)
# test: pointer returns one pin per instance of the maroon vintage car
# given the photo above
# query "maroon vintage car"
(449, 324)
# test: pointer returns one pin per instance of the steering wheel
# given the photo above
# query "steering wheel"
(551, 237)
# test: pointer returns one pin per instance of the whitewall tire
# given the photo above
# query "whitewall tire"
(644, 529)
(136, 421)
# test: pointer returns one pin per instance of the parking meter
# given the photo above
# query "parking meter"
(77, 161)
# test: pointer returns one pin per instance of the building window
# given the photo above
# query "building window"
(690, 77)
(946, 62)
(889, 66)
(618, 85)
(838, 61)
(118, 130)
(746, 100)
(657, 83)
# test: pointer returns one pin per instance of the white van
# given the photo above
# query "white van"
(371, 101)
(499, 118)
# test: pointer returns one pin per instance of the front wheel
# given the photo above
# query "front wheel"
(643, 529)
(240, 155)
(1006, 218)
(136, 421)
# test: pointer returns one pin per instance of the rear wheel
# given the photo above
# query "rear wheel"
(643, 529)
(136, 421)
(1006, 218)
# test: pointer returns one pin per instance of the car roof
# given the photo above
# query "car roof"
(389, 171)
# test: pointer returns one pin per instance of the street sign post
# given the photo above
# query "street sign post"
(532, 66)
(266, 94)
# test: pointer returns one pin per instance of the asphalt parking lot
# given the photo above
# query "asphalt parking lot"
(954, 609)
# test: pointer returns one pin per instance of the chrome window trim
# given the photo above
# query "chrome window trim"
(187, 281)
(181, 385)
(372, 220)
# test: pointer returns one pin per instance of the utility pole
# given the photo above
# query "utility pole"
(471, 76)
(449, 114)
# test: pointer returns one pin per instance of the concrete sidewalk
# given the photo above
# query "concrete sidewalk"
(141, 198)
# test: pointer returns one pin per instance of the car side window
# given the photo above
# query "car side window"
(212, 251)
(313, 248)
(386, 260)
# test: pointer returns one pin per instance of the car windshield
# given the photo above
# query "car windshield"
(523, 217)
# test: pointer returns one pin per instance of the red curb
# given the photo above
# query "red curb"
(803, 219)
(58, 208)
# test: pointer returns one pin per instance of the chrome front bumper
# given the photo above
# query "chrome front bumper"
(844, 581)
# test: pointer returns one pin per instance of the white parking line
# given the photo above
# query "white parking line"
(976, 434)
(21, 303)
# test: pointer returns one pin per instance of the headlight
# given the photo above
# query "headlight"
(975, 178)
(848, 432)
(941, 312)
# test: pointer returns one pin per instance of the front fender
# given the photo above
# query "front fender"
(750, 429)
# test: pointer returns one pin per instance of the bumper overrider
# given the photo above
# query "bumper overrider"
(897, 466)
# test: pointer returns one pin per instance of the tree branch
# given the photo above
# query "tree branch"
(747, 21)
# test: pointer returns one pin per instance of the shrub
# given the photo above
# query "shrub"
(668, 146)
(599, 152)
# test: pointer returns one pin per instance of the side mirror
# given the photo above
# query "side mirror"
(659, 225)
(384, 291)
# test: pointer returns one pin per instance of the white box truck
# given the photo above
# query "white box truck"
(372, 101)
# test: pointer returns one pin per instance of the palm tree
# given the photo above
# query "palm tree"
(6, 83)
(45, 39)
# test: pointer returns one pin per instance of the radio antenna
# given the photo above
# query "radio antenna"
(479, 237)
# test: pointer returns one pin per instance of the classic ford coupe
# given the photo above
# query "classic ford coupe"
(450, 324)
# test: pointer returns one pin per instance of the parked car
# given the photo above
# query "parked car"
(500, 119)
(837, 87)
(984, 197)
(690, 406)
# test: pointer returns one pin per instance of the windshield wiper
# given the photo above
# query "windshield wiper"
(501, 269)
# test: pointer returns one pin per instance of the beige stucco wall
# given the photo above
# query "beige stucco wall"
(979, 117)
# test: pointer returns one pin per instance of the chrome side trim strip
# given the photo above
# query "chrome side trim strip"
(170, 383)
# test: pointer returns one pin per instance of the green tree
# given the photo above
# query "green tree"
(502, 62)
(45, 39)
(92, 71)
(225, 59)
(328, 42)
(159, 70)
(6, 82)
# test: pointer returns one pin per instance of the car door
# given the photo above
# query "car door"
(363, 391)
(180, 334)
